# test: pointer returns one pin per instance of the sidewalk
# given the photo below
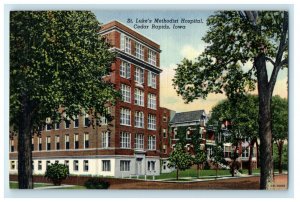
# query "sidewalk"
(56, 187)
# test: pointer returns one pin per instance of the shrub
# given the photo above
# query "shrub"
(57, 173)
(96, 183)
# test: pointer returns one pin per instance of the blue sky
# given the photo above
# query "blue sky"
(175, 45)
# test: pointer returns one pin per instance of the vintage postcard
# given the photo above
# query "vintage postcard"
(149, 99)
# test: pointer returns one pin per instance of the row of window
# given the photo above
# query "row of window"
(139, 49)
(138, 97)
(125, 140)
(67, 123)
(138, 74)
(138, 119)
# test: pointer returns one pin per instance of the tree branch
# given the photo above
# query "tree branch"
(270, 60)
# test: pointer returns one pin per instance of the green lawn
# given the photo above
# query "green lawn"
(15, 185)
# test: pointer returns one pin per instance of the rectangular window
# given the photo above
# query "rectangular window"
(85, 165)
(75, 165)
(105, 165)
(67, 141)
(139, 141)
(67, 123)
(48, 127)
(105, 139)
(32, 144)
(139, 75)
(124, 165)
(164, 133)
(125, 140)
(139, 119)
(127, 44)
(125, 117)
(39, 165)
(86, 140)
(139, 50)
(76, 142)
(138, 97)
(125, 70)
(56, 126)
(151, 122)
(12, 145)
(12, 165)
(57, 142)
(151, 101)
(151, 79)
(86, 120)
(164, 149)
(48, 163)
(76, 122)
(67, 163)
(40, 143)
(151, 142)
(165, 118)
(152, 57)
(175, 133)
(126, 92)
(151, 165)
(48, 143)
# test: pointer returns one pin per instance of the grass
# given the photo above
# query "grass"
(15, 185)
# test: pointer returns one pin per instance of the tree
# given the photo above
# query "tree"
(243, 116)
(199, 159)
(57, 173)
(58, 64)
(180, 159)
(217, 157)
(279, 125)
(235, 39)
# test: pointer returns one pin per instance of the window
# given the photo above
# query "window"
(57, 143)
(139, 119)
(139, 75)
(175, 133)
(125, 117)
(39, 165)
(85, 165)
(125, 140)
(245, 153)
(165, 118)
(12, 145)
(124, 165)
(164, 149)
(67, 164)
(125, 90)
(67, 141)
(104, 120)
(76, 142)
(86, 140)
(139, 50)
(125, 70)
(127, 44)
(138, 97)
(56, 126)
(48, 127)
(151, 122)
(76, 122)
(40, 143)
(164, 133)
(75, 165)
(227, 151)
(151, 142)
(151, 101)
(86, 121)
(57, 162)
(105, 165)
(152, 57)
(139, 141)
(32, 144)
(48, 164)
(105, 139)
(12, 165)
(151, 79)
(67, 123)
(48, 143)
(151, 165)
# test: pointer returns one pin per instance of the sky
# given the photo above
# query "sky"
(177, 44)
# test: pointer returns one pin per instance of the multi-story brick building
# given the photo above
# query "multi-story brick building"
(129, 144)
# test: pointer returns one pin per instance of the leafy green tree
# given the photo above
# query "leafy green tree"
(57, 173)
(199, 159)
(58, 64)
(180, 159)
(217, 157)
(279, 125)
(234, 39)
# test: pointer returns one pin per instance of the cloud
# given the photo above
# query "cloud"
(191, 52)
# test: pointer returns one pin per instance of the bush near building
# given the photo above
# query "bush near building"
(57, 173)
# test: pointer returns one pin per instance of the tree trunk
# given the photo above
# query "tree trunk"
(177, 174)
(280, 148)
(250, 158)
(198, 166)
(24, 148)
(265, 133)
